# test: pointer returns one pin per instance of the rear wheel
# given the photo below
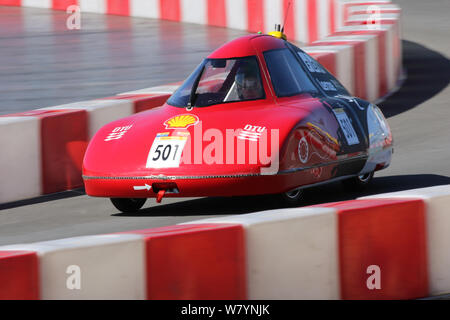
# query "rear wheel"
(358, 183)
(290, 198)
(128, 205)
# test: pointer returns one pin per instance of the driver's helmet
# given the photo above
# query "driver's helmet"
(248, 83)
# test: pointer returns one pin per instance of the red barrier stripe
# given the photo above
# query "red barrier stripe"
(255, 15)
(359, 55)
(118, 7)
(170, 10)
(150, 102)
(312, 21)
(333, 21)
(217, 13)
(64, 136)
(10, 2)
(63, 4)
(397, 51)
(19, 275)
(383, 77)
(389, 234)
(195, 262)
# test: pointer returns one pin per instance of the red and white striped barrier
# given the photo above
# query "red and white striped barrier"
(306, 20)
(437, 203)
(141, 264)
(364, 57)
(388, 246)
(109, 266)
(47, 151)
(327, 251)
(287, 258)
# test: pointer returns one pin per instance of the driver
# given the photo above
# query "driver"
(248, 84)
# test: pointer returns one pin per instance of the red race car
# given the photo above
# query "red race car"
(258, 116)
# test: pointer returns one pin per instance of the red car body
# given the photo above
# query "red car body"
(314, 137)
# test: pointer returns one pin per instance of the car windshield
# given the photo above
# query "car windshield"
(219, 81)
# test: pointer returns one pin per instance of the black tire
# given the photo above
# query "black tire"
(358, 183)
(290, 198)
(128, 205)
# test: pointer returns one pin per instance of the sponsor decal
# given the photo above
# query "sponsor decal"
(303, 150)
(317, 172)
(144, 187)
(251, 133)
(315, 144)
(163, 134)
(311, 64)
(328, 86)
(346, 126)
(182, 121)
(333, 141)
(172, 149)
(117, 133)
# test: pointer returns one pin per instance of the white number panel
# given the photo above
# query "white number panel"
(346, 126)
(166, 152)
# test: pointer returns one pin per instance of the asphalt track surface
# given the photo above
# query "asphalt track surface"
(418, 113)
(43, 64)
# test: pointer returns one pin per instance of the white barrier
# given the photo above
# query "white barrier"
(90, 267)
(20, 161)
(287, 258)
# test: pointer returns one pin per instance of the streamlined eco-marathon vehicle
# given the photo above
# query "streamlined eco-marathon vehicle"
(257, 116)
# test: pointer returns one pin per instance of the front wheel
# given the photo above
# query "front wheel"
(358, 183)
(128, 205)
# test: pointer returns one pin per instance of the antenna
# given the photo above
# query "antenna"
(285, 16)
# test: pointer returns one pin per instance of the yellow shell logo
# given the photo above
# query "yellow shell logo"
(181, 122)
